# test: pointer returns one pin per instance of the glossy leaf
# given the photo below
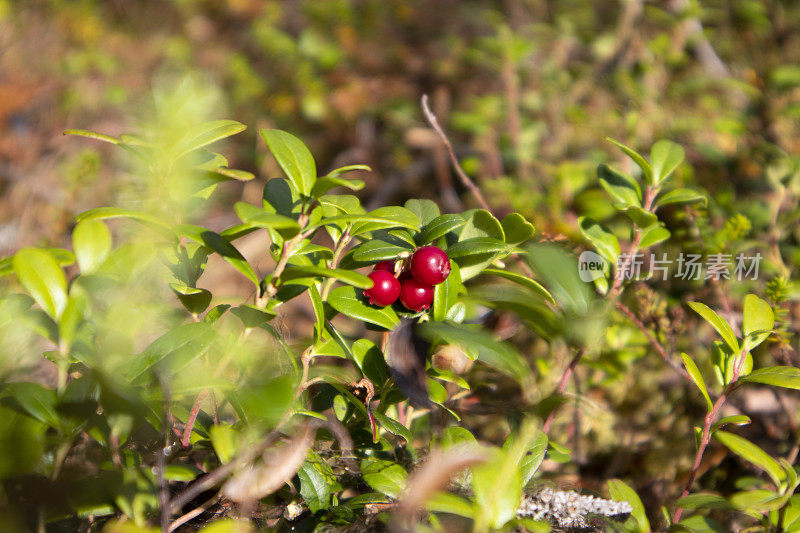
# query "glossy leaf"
(446, 293)
(346, 301)
(697, 377)
(753, 454)
(681, 196)
(294, 158)
(206, 133)
(195, 300)
(176, 347)
(653, 235)
(39, 273)
(440, 226)
(665, 156)
(326, 183)
(734, 420)
(525, 281)
(641, 162)
(425, 210)
(718, 323)
(517, 229)
(757, 321)
(605, 242)
(92, 243)
(779, 376)
(384, 476)
(622, 188)
(356, 279)
(149, 220)
(620, 491)
(376, 250)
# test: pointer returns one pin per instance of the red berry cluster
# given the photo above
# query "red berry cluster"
(428, 266)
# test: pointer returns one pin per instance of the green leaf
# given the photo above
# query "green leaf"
(92, 135)
(779, 376)
(641, 162)
(264, 404)
(622, 188)
(92, 243)
(559, 271)
(392, 426)
(476, 246)
(319, 312)
(224, 439)
(205, 134)
(370, 361)
(384, 476)
(440, 226)
(317, 481)
(426, 210)
(534, 455)
(346, 301)
(229, 253)
(640, 217)
(757, 321)
(176, 347)
(294, 158)
(718, 323)
(147, 219)
(497, 484)
(753, 454)
(444, 502)
(605, 242)
(253, 316)
(620, 491)
(704, 501)
(335, 173)
(384, 218)
(697, 377)
(446, 293)
(525, 281)
(356, 279)
(233, 174)
(666, 156)
(326, 183)
(193, 299)
(653, 235)
(42, 278)
(481, 223)
(681, 196)
(259, 218)
(37, 401)
(481, 345)
(517, 229)
(735, 420)
(62, 256)
(180, 472)
(376, 250)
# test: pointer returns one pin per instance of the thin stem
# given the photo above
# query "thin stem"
(660, 349)
(187, 430)
(465, 180)
(619, 278)
(705, 437)
(562, 386)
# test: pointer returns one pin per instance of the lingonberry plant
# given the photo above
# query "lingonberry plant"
(171, 414)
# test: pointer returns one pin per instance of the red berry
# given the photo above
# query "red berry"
(430, 265)
(385, 289)
(415, 295)
(385, 265)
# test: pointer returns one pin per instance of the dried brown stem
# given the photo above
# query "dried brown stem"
(465, 180)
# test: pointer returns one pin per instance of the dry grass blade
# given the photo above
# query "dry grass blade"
(259, 480)
(434, 475)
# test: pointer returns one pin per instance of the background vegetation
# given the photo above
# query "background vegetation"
(527, 91)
